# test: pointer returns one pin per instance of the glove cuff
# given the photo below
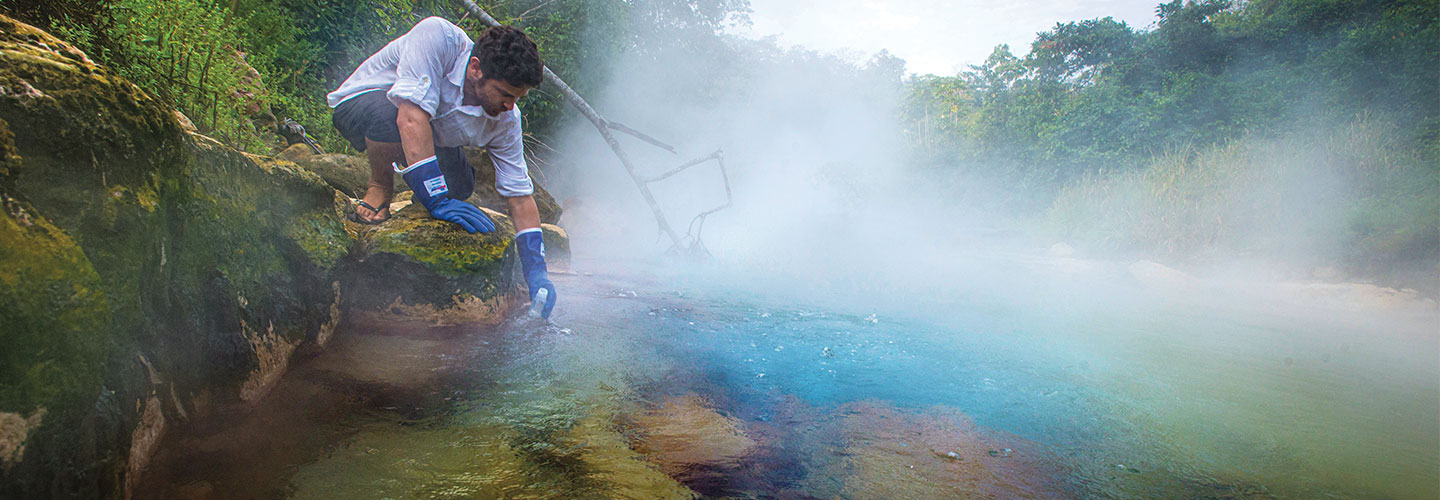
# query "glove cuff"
(530, 244)
(426, 181)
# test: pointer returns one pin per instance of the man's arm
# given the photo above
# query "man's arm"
(512, 180)
(416, 137)
(530, 244)
(523, 212)
(424, 176)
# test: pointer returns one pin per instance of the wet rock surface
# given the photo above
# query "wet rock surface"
(419, 267)
(168, 271)
(685, 436)
(887, 452)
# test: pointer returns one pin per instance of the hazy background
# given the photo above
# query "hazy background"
(933, 36)
(1208, 218)
(1109, 143)
(1195, 230)
(837, 176)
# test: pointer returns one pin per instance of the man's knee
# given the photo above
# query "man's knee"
(387, 152)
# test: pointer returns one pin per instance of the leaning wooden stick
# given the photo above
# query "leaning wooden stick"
(601, 125)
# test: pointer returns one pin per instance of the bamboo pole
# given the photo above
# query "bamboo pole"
(601, 125)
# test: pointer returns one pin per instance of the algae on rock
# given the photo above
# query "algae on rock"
(417, 265)
(140, 255)
(51, 303)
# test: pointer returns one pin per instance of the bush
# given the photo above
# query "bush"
(187, 53)
(1345, 194)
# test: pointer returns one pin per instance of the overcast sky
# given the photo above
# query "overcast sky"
(932, 36)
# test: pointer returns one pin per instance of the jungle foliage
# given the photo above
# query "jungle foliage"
(1293, 130)
(236, 66)
(1102, 94)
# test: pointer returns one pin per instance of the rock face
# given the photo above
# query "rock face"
(149, 274)
(415, 265)
(347, 173)
(146, 271)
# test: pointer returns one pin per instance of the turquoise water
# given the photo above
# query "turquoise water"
(1144, 399)
(672, 387)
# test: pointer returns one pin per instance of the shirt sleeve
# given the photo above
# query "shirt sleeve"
(423, 59)
(507, 152)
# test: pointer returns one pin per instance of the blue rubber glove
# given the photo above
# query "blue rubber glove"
(531, 246)
(428, 184)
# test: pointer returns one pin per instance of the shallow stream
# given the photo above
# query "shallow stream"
(668, 388)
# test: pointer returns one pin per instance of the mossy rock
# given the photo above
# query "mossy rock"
(349, 174)
(8, 156)
(166, 258)
(557, 247)
(296, 153)
(415, 259)
(202, 261)
(79, 112)
(56, 342)
(51, 306)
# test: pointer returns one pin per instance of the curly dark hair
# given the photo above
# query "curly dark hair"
(507, 54)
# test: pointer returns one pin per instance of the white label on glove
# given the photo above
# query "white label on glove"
(436, 186)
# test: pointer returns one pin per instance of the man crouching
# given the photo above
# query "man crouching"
(422, 97)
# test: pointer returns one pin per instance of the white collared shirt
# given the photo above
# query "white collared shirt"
(426, 66)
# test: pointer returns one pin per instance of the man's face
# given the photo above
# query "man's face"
(493, 94)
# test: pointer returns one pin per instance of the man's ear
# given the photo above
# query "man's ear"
(473, 69)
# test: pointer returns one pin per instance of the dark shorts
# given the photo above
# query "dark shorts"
(372, 116)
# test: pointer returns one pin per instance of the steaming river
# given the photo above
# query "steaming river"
(655, 388)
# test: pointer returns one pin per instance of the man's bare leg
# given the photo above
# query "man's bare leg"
(382, 177)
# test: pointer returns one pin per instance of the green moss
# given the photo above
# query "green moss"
(54, 311)
(321, 237)
(9, 158)
(54, 96)
(294, 202)
(269, 230)
(423, 261)
(443, 246)
(190, 238)
(85, 130)
(153, 242)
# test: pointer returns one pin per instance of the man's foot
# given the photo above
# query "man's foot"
(365, 213)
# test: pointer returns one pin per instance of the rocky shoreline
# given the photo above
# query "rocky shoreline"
(150, 275)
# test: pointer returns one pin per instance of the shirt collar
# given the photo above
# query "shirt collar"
(457, 74)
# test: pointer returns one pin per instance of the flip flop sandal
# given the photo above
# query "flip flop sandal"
(355, 217)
